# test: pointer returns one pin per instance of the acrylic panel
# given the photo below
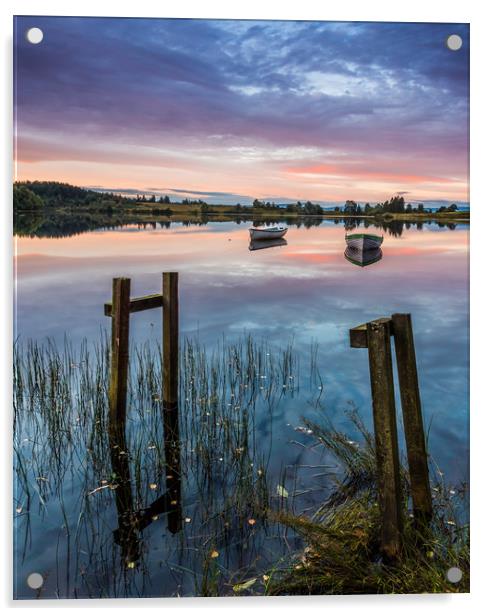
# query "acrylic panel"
(241, 308)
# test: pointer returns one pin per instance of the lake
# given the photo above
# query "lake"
(303, 295)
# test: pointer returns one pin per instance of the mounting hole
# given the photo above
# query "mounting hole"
(454, 575)
(454, 42)
(34, 35)
(35, 581)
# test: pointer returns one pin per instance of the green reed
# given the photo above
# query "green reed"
(342, 537)
(64, 466)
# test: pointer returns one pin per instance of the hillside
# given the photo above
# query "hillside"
(32, 195)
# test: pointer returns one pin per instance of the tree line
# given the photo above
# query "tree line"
(36, 195)
(297, 208)
(31, 196)
(395, 205)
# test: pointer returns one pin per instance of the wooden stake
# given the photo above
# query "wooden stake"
(120, 350)
(384, 413)
(412, 417)
(170, 359)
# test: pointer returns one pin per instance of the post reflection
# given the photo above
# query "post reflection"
(173, 468)
(131, 521)
(126, 534)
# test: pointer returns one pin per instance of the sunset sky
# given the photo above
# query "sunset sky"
(228, 111)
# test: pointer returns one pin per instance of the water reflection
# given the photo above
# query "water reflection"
(67, 225)
(306, 289)
(126, 534)
(214, 464)
(261, 244)
(363, 257)
(131, 522)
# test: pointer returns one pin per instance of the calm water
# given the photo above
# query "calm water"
(304, 293)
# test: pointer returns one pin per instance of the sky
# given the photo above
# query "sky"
(227, 111)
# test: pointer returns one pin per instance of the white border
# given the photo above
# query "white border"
(373, 10)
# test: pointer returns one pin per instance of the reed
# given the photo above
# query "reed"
(342, 538)
(70, 478)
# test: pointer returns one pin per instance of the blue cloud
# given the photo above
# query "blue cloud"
(284, 83)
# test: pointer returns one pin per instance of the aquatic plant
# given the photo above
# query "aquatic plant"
(342, 537)
(105, 493)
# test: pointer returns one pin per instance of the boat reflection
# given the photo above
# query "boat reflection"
(363, 257)
(272, 243)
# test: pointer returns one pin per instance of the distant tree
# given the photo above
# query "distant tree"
(26, 199)
(396, 205)
(152, 199)
(452, 208)
(420, 208)
(350, 207)
(408, 208)
(312, 208)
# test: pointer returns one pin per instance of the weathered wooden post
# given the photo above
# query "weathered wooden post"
(412, 417)
(384, 414)
(119, 310)
(376, 337)
(120, 350)
(170, 359)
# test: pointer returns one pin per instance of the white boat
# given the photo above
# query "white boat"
(267, 233)
(363, 241)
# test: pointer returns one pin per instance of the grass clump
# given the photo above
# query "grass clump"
(342, 538)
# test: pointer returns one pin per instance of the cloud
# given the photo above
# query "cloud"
(141, 91)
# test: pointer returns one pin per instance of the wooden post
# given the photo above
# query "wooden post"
(384, 413)
(412, 417)
(120, 350)
(170, 359)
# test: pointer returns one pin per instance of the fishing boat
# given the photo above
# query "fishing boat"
(267, 243)
(363, 241)
(267, 233)
(363, 257)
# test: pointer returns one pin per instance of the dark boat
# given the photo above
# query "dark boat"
(363, 241)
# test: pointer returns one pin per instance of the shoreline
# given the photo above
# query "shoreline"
(188, 213)
(61, 222)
